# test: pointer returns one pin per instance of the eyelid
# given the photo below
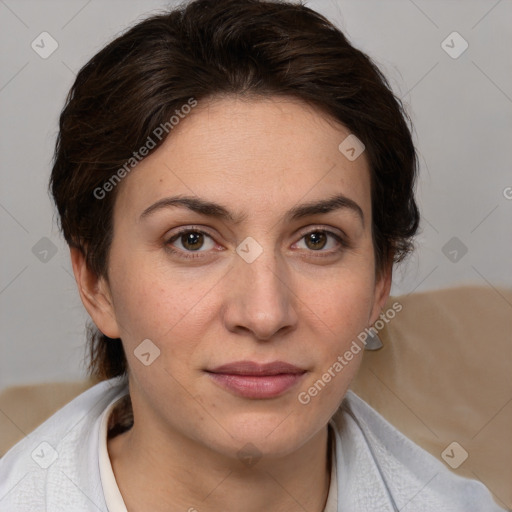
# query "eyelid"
(325, 229)
(189, 229)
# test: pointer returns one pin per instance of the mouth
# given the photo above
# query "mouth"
(253, 380)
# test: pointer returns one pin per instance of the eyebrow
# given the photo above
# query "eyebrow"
(211, 209)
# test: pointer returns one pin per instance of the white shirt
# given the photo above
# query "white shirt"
(63, 466)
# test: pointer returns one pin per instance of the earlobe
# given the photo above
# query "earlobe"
(382, 291)
(95, 295)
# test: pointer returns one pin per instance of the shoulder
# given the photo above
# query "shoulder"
(61, 451)
(413, 477)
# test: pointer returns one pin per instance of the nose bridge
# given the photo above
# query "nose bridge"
(265, 274)
(262, 298)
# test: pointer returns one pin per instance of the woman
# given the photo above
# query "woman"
(235, 182)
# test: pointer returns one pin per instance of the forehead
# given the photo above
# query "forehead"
(256, 152)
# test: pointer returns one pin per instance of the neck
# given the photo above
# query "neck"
(159, 471)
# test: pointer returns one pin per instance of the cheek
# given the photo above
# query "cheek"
(343, 303)
(154, 303)
(342, 312)
(338, 353)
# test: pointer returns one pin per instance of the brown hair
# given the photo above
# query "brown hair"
(216, 47)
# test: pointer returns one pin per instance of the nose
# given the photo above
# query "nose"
(260, 300)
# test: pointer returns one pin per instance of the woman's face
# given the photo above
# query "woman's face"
(252, 310)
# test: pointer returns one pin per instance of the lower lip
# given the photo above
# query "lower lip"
(254, 386)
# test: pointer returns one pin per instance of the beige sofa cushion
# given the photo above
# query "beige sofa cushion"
(23, 408)
(442, 376)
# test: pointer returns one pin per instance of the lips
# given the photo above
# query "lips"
(253, 380)
(253, 368)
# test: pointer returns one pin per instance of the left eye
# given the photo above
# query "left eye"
(318, 239)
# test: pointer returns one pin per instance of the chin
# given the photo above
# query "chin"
(263, 435)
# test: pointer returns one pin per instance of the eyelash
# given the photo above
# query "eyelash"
(189, 255)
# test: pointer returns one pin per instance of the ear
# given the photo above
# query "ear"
(381, 292)
(95, 294)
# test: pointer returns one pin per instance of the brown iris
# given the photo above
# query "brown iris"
(192, 241)
(317, 239)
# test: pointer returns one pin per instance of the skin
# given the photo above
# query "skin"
(257, 157)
